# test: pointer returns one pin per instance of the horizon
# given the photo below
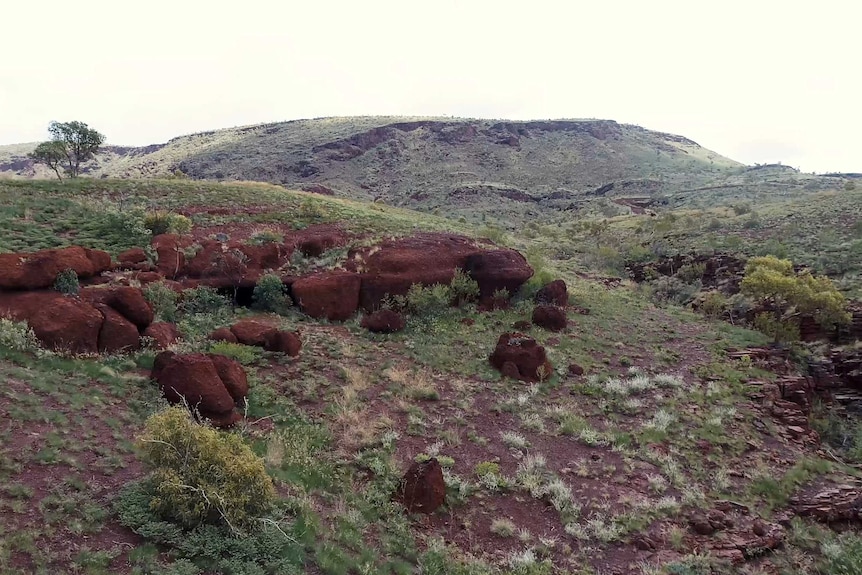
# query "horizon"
(758, 84)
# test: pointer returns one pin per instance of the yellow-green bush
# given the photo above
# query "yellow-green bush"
(201, 475)
(770, 278)
(161, 222)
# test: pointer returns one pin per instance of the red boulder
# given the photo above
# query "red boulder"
(37, 270)
(554, 293)
(497, 270)
(331, 295)
(527, 356)
(232, 376)
(550, 317)
(60, 322)
(117, 334)
(192, 378)
(132, 256)
(383, 321)
(171, 259)
(422, 489)
(223, 334)
(163, 334)
(129, 301)
(249, 332)
(284, 342)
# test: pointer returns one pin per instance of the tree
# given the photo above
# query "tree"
(51, 154)
(71, 144)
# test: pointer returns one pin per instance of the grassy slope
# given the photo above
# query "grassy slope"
(338, 424)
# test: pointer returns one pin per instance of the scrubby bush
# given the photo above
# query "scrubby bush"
(163, 300)
(671, 289)
(265, 236)
(427, 300)
(18, 336)
(204, 300)
(463, 289)
(713, 304)
(778, 329)
(245, 354)
(67, 282)
(773, 279)
(200, 475)
(690, 273)
(843, 555)
(163, 222)
(270, 294)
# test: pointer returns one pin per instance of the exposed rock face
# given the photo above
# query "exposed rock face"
(391, 267)
(422, 489)
(830, 503)
(285, 342)
(132, 256)
(117, 334)
(223, 334)
(60, 322)
(498, 270)
(383, 321)
(249, 332)
(196, 378)
(522, 352)
(128, 301)
(550, 317)
(163, 334)
(38, 270)
(171, 259)
(331, 295)
(720, 271)
(554, 293)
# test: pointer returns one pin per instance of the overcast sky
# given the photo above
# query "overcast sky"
(755, 80)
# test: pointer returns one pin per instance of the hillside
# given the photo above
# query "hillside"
(468, 167)
(618, 436)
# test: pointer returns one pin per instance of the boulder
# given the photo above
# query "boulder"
(232, 376)
(331, 295)
(249, 332)
(383, 321)
(284, 342)
(38, 270)
(522, 325)
(192, 378)
(234, 264)
(554, 293)
(576, 370)
(117, 334)
(550, 317)
(60, 322)
(422, 489)
(132, 256)
(495, 270)
(128, 301)
(223, 334)
(392, 266)
(171, 259)
(163, 334)
(525, 354)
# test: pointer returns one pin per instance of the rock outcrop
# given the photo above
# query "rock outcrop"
(520, 356)
(39, 270)
(383, 321)
(422, 489)
(550, 317)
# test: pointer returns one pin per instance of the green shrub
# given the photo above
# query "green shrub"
(18, 336)
(265, 236)
(67, 282)
(495, 234)
(713, 304)
(200, 475)
(270, 294)
(671, 289)
(245, 354)
(779, 330)
(843, 556)
(486, 468)
(162, 222)
(163, 300)
(205, 300)
(770, 278)
(427, 300)
(463, 289)
(690, 273)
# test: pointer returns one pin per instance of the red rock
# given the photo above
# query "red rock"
(422, 489)
(150, 277)
(192, 377)
(554, 293)
(232, 376)
(330, 295)
(132, 256)
(234, 264)
(524, 353)
(117, 334)
(249, 332)
(285, 342)
(37, 270)
(171, 261)
(550, 317)
(575, 369)
(494, 270)
(163, 334)
(128, 301)
(510, 370)
(392, 266)
(315, 246)
(383, 321)
(222, 420)
(223, 334)
(522, 325)
(62, 323)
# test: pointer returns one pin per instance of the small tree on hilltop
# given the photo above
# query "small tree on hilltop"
(71, 144)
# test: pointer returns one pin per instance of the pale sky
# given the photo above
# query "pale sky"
(755, 80)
